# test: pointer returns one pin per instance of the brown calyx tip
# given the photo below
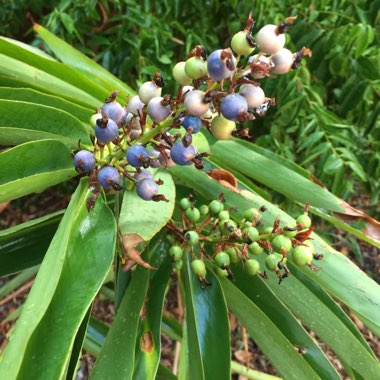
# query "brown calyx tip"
(284, 26)
(250, 23)
(112, 97)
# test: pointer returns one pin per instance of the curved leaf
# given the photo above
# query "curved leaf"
(208, 330)
(42, 169)
(74, 268)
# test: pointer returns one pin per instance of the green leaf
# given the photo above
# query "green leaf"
(208, 330)
(54, 68)
(32, 167)
(276, 347)
(22, 122)
(32, 96)
(24, 245)
(338, 275)
(17, 281)
(144, 218)
(73, 269)
(14, 73)
(87, 66)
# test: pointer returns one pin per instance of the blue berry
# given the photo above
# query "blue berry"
(217, 64)
(156, 111)
(113, 111)
(147, 189)
(106, 131)
(84, 161)
(108, 176)
(181, 155)
(143, 174)
(193, 122)
(137, 156)
(233, 105)
(135, 105)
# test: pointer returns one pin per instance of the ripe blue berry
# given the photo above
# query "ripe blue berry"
(137, 156)
(84, 161)
(156, 111)
(217, 63)
(181, 155)
(106, 131)
(233, 105)
(113, 110)
(135, 105)
(192, 122)
(142, 174)
(195, 103)
(147, 189)
(108, 176)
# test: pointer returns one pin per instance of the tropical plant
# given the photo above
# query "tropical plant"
(46, 104)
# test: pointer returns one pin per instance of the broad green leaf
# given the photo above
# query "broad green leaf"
(148, 344)
(73, 57)
(32, 167)
(16, 72)
(276, 347)
(32, 96)
(24, 245)
(208, 330)
(338, 275)
(165, 374)
(255, 288)
(37, 122)
(117, 356)
(54, 68)
(145, 219)
(70, 276)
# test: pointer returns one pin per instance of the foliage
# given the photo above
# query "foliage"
(81, 250)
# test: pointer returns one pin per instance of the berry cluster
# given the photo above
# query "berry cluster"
(211, 228)
(215, 92)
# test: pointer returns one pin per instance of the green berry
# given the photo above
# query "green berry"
(192, 238)
(304, 220)
(221, 272)
(252, 233)
(179, 74)
(221, 259)
(268, 230)
(196, 68)
(288, 231)
(281, 241)
(227, 227)
(232, 252)
(193, 214)
(177, 265)
(255, 249)
(224, 215)
(240, 45)
(185, 203)
(198, 267)
(204, 210)
(252, 267)
(302, 255)
(216, 206)
(272, 260)
(251, 214)
(176, 252)
(221, 128)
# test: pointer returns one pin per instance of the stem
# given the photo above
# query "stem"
(250, 373)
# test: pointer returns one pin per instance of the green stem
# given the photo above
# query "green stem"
(250, 373)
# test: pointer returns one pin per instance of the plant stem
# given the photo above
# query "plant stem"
(250, 373)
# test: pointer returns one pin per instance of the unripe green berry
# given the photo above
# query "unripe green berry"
(221, 128)
(281, 241)
(193, 214)
(302, 255)
(252, 233)
(290, 233)
(255, 249)
(240, 45)
(179, 74)
(272, 260)
(216, 206)
(224, 215)
(268, 230)
(198, 267)
(221, 259)
(304, 220)
(227, 227)
(176, 252)
(221, 272)
(204, 210)
(232, 252)
(192, 237)
(185, 203)
(252, 267)
(177, 265)
(196, 68)
(251, 214)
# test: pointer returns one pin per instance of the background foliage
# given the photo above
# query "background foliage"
(327, 117)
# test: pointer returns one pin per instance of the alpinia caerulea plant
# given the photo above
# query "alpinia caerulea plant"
(176, 170)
